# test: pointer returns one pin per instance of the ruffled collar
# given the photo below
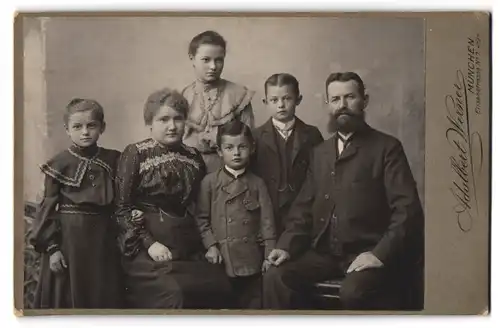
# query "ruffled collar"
(175, 147)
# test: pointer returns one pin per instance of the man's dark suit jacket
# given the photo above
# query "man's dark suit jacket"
(368, 193)
(266, 162)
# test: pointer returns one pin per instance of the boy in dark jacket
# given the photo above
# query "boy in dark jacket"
(283, 144)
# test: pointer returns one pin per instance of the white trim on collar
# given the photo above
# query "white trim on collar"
(283, 126)
(235, 173)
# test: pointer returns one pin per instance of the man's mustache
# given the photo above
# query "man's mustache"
(344, 111)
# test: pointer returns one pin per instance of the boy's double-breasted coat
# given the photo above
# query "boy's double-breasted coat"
(236, 215)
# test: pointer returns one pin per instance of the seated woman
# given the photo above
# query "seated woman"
(161, 247)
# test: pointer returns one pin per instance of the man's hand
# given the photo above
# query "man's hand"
(365, 261)
(159, 252)
(278, 256)
(213, 255)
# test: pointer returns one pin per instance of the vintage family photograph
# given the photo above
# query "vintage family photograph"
(224, 162)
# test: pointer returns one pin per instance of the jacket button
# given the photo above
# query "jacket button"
(327, 196)
(229, 239)
(333, 173)
(245, 239)
(245, 222)
(229, 220)
(91, 177)
(322, 219)
(94, 185)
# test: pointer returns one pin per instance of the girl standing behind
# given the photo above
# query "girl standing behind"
(213, 101)
(74, 230)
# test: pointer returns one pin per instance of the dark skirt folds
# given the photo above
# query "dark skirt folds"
(194, 284)
(93, 278)
(188, 281)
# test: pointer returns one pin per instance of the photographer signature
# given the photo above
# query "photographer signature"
(467, 158)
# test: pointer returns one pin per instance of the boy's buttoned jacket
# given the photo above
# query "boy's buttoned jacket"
(266, 162)
(236, 214)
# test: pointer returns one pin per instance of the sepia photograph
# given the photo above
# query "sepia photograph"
(237, 162)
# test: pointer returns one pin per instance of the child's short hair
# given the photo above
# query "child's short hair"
(207, 37)
(164, 97)
(234, 128)
(345, 77)
(281, 79)
(83, 105)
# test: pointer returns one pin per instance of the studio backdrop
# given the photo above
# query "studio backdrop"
(120, 61)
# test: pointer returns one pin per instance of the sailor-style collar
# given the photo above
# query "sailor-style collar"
(70, 166)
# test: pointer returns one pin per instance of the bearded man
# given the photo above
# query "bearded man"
(358, 214)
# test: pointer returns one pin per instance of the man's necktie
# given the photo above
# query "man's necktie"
(343, 143)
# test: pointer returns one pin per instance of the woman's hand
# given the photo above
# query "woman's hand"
(266, 265)
(159, 252)
(213, 255)
(57, 262)
(137, 215)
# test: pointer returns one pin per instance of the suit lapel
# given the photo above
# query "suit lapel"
(231, 186)
(330, 153)
(299, 138)
(353, 146)
(269, 137)
(348, 152)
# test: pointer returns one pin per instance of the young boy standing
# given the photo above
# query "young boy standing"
(283, 145)
(235, 215)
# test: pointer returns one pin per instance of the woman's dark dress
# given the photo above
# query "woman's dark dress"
(75, 217)
(161, 182)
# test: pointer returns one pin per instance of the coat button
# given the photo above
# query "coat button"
(333, 173)
(245, 239)
(229, 239)
(91, 177)
(229, 220)
(322, 219)
(327, 196)
(94, 185)
(245, 222)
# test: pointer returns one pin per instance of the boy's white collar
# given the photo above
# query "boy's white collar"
(235, 173)
(283, 126)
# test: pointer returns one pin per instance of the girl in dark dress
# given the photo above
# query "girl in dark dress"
(157, 178)
(74, 229)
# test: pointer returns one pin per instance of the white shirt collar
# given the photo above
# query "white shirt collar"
(235, 173)
(345, 136)
(283, 126)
